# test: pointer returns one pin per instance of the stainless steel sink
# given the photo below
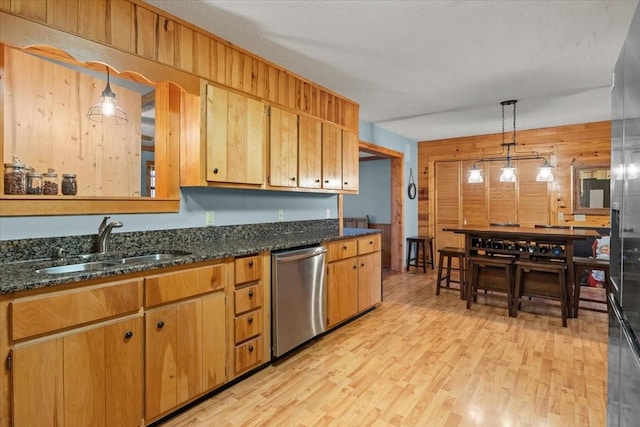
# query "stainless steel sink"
(150, 257)
(111, 262)
(74, 268)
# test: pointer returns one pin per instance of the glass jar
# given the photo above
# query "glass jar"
(34, 183)
(50, 184)
(15, 178)
(69, 184)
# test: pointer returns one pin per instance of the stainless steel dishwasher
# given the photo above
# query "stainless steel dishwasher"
(298, 307)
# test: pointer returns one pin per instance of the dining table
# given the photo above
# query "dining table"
(544, 244)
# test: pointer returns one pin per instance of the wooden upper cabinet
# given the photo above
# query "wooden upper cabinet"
(350, 161)
(309, 153)
(235, 132)
(283, 148)
(331, 157)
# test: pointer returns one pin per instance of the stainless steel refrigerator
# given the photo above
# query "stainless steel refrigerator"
(623, 388)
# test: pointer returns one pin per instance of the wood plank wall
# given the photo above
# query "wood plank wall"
(139, 28)
(53, 132)
(569, 145)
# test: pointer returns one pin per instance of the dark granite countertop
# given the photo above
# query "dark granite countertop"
(21, 275)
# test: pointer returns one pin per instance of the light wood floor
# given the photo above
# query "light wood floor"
(422, 360)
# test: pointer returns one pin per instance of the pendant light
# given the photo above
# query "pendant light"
(107, 109)
(508, 172)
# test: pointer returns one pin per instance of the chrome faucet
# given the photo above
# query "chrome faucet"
(104, 231)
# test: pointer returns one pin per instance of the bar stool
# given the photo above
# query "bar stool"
(418, 244)
(534, 279)
(491, 273)
(586, 263)
(449, 253)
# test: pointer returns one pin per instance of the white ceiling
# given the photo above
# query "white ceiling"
(437, 69)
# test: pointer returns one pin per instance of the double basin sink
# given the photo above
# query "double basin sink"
(110, 263)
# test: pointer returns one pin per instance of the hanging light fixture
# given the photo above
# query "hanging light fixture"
(107, 109)
(508, 172)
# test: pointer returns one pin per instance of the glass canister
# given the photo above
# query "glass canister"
(69, 184)
(34, 183)
(15, 178)
(50, 184)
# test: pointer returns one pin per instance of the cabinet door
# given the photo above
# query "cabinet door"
(161, 328)
(309, 153)
(342, 290)
(123, 359)
(38, 384)
(214, 337)
(350, 161)
(189, 350)
(84, 378)
(331, 157)
(369, 280)
(283, 148)
(235, 135)
(447, 189)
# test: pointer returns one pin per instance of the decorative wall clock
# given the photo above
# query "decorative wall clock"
(411, 189)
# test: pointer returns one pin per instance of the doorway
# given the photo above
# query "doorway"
(370, 152)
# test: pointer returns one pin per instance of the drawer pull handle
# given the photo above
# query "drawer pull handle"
(250, 264)
(326, 181)
(346, 183)
(250, 294)
(344, 248)
(317, 180)
(250, 349)
(250, 320)
(160, 325)
(128, 335)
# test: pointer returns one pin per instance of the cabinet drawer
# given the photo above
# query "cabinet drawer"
(369, 244)
(183, 284)
(248, 269)
(342, 249)
(247, 298)
(60, 310)
(248, 355)
(248, 325)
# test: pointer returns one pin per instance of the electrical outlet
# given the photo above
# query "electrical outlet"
(580, 218)
(209, 218)
(327, 213)
(560, 216)
(280, 215)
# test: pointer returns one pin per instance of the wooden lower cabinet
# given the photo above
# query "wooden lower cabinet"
(354, 277)
(369, 280)
(184, 352)
(342, 290)
(92, 377)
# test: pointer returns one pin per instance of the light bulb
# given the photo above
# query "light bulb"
(508, 175)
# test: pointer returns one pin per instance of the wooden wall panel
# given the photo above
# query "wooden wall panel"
(533, 199)
(166, 47)
(122, 27)
(386, 242)
(64, 15)
(447, 203)
(202, 55)
(146, 36)
(54, 133)
(34, 9)
(566, 145)
(93, 19)
(184, 45)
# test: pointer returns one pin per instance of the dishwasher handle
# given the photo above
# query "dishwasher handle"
(299, 254)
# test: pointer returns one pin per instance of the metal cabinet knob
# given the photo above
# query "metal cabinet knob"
(250, 263)
(250, 349)
(250, 294)
(128, 335)
(160, 325)
(250, 320)
(215, 170)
